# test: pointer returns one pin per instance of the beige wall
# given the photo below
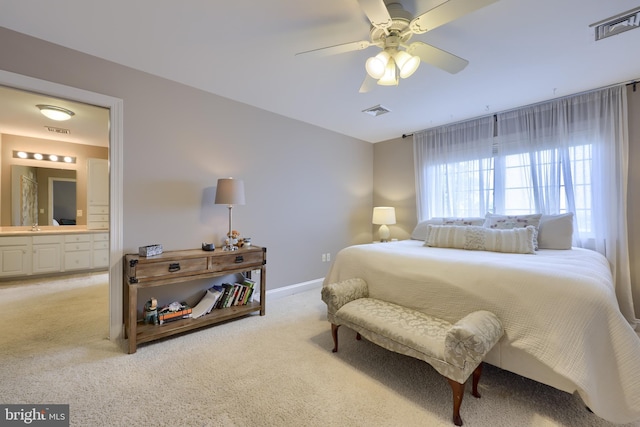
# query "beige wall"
(9, 143)
(394, 178)
(308, 190)
(394, 184)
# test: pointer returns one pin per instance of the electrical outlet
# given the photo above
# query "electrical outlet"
(79, 213)
(324, 257)
(328, 256)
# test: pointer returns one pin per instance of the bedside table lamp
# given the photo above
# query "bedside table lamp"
(230, 192)
(384, 216)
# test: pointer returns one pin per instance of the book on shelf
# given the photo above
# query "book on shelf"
(220, 291)
(180, 314)
(249, 297)
(206, 304)
(241, 294)
(249, 294)
(232, 293)
(174, 311)
(228, 289)
(173, 319)
(235, 294)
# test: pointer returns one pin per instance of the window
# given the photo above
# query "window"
(565, 155)
(558, 178)
(469, 188)
(526, 183)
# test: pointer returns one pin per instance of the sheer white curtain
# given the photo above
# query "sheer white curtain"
(575, 151)
(566, 155)
(453, 166)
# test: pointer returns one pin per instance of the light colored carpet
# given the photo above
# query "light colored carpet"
(276, 370)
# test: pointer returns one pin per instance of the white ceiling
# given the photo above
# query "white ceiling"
(20, 116)
(520, 52)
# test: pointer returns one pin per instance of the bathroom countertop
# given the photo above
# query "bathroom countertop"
(63, 229)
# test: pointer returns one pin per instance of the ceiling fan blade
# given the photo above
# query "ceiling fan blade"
(437, 57)
(367, 84)
(337, 49)
(445, 13)
(377, 13)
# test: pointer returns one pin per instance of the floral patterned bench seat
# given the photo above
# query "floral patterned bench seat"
(454, 350)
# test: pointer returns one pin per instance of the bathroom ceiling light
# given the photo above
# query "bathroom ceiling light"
(43, 157)
(55, 113)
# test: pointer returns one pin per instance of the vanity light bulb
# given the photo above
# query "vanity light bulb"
(22, 154)
(37, 156)
(53, 157)
(68, 159)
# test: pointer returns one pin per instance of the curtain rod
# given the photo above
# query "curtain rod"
(630, 83)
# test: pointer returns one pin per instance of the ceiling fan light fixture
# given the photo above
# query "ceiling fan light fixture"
(390, 77)
(55, 113)
(408, 64)
(376, 65)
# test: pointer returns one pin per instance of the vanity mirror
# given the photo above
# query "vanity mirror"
(33, 192)
(43, 196)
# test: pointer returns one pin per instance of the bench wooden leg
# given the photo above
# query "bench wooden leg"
(334, 334)
(458, 394)
(476, 379)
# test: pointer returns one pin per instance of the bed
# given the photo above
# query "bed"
(558, 307)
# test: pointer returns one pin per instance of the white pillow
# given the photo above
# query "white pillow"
(463, 221)
(556, 231)
(514, 240)
(420, 232)
(506, 222)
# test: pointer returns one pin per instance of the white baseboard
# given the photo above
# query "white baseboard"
(293, 289)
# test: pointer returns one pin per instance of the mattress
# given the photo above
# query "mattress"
(559, 306)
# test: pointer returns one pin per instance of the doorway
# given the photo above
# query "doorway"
(115, 107)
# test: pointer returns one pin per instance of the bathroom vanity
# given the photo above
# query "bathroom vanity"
(29, 252)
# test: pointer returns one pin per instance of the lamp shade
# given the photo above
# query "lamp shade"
(230, 192)
(406, 63)
(390, 77)
(384, 215)
(376, 65)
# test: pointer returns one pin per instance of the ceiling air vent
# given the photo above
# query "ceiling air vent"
(58, 130)
(377, 110)
(617, 24)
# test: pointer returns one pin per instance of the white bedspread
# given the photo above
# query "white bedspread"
(558, 305)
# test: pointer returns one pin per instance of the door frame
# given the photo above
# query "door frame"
(115, 106)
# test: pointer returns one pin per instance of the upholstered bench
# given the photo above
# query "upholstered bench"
(453, 350)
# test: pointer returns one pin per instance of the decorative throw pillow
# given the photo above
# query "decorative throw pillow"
(420, 232)
(463, 221)
(506, 222)
(514, 240)
(556, 231)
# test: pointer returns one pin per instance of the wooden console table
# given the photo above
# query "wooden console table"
(181, 266)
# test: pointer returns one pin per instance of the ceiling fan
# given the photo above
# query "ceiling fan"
(391, 29)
